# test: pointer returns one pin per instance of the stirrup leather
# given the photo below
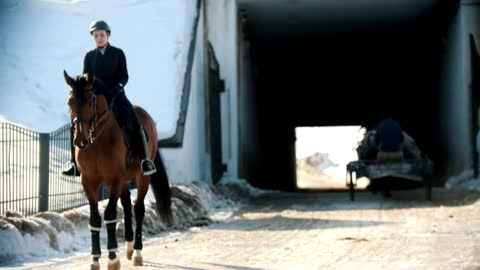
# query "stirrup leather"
(149, 167)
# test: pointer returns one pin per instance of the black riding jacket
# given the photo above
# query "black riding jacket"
(111, 67)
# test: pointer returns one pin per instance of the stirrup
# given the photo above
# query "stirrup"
(148, 167)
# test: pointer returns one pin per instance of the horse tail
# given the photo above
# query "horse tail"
(161, 190)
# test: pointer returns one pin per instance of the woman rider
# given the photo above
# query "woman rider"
(108, 63)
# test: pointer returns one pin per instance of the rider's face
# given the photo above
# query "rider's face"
(100, 37)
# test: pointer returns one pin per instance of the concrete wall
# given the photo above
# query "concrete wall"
(454, 125)
(471, 12)
(221, 32)
(247, 112)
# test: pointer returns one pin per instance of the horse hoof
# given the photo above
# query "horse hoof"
(129, 254)
(137, 261)
(95, 266)
(114, 264)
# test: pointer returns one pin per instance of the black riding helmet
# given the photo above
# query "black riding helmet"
(99, 25)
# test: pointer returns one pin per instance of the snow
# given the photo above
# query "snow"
(463, 181)
(198, 204)
(322, 154)
(340, 142)
(40, 39)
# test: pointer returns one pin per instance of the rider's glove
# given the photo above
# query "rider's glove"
(117, 88)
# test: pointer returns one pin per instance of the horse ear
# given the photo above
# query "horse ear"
(69, 80)
(90, 77)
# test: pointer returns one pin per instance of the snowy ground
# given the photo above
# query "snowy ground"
(318, 230)
(463, 181)
(319, 172)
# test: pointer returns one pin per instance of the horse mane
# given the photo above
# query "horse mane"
(79, 87)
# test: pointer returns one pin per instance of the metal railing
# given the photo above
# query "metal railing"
(30, 171)
(64, 192)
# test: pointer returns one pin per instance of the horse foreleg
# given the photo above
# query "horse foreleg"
(127, 211)
(110, 219)
(95, 223)
(95, 226)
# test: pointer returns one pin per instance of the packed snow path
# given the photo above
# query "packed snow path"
(320, 230)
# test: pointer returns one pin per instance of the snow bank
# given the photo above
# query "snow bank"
(51, 234)
(44, 234)
(319, 161)
(463, 181)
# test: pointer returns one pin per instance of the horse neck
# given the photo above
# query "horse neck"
(101, 103)
(104, 116)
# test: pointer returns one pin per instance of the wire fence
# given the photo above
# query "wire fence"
(30, 171)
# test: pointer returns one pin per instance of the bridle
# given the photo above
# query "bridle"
(96, 121)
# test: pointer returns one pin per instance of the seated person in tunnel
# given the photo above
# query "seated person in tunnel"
(388, 142)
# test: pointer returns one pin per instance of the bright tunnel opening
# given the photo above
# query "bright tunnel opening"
(322, 154)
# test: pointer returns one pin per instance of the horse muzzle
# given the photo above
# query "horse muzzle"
(82, 144)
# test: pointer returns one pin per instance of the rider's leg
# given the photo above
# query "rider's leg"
(147, 165)
(71, 166)
(128, 112)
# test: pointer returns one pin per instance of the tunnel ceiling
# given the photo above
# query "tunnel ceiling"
(291, 19)
(312, 55)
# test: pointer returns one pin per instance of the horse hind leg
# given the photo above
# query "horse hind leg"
(138, 245)
(139, 209)
(127, 210)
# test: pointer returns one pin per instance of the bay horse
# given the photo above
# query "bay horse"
(103, 157)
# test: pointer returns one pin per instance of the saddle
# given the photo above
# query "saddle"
(133, 141)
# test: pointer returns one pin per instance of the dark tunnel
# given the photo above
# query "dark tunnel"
(334, 71)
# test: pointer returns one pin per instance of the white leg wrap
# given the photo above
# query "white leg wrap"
(138, 253)
(114, 261)
(129, 245)
(113, 250)
(111, 221)
(91, 228)
(96, 256)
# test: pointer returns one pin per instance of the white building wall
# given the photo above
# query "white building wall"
(191, 161)
(222, 34)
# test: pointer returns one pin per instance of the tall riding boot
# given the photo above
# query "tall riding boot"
(71, 166)
(147, 165)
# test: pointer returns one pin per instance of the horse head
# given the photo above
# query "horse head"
(82, 104)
